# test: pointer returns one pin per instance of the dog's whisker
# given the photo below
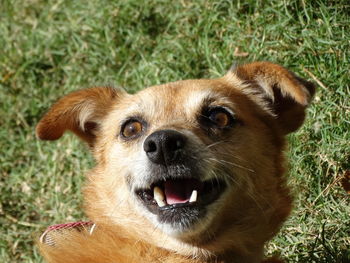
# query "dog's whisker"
(224, 162)
(214, 144)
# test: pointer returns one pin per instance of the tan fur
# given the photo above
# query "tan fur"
(269, 101)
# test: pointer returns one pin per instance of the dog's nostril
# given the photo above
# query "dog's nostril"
(175, 144)
(150, 146)
(180, 143)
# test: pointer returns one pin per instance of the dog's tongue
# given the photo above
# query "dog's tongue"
(179, 191)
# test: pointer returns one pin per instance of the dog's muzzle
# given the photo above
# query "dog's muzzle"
(177, 191)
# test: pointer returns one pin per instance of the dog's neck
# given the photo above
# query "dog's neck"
(103, 245)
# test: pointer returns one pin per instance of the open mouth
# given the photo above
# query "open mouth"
(174, 199)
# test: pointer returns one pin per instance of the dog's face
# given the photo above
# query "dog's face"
(179, 151)
(196, 161)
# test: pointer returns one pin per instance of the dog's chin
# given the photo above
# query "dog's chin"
(181, 207)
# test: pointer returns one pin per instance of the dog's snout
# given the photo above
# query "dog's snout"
(163, 147)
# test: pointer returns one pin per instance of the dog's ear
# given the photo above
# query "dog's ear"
(80, 112)
(278, 90)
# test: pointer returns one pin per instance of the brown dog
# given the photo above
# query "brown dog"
(189, 171)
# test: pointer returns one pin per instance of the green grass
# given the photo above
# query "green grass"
(49, 48)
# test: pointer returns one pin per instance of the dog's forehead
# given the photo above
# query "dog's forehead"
(180, 97)
(177, 99)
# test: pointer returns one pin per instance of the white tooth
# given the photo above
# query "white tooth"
(193, 197)
(159, 196)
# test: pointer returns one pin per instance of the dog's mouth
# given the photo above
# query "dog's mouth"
(182, 199)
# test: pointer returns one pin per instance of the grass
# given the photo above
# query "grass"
(49, 48)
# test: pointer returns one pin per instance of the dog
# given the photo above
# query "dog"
(189, 171)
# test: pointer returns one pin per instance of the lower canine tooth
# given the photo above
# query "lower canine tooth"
(159, 196)
(193, 197)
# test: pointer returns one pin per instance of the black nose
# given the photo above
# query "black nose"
(164, 147)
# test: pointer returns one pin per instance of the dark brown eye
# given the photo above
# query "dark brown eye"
(131, 128)
(216, 117)
(220, 118)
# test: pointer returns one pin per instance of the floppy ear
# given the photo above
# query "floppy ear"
(80, 112)
(280, 91)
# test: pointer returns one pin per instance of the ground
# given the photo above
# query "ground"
(49, 48)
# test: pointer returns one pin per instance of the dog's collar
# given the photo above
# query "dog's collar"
(47, 238)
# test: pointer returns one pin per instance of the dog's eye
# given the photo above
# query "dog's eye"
(220, 118)
(217, 117)
(131, 128)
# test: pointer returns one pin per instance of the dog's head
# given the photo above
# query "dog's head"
(194, 163)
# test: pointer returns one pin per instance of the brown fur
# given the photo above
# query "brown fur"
(269, 100)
